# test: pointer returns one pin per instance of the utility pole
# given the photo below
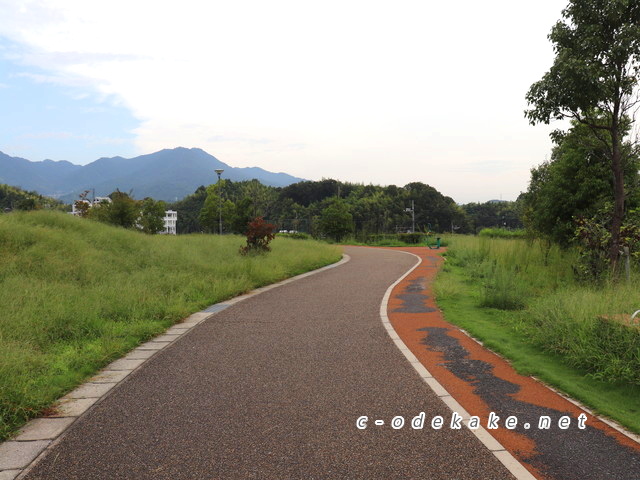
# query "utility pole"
(413, 217)
(219, 172)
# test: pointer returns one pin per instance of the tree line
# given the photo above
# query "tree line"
(326, 208)
(334, 209)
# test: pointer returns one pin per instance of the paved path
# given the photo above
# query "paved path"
(271, 388)
(482, 382)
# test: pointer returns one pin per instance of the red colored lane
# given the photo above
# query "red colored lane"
(415, 321)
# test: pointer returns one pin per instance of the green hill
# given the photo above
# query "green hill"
(76, 294)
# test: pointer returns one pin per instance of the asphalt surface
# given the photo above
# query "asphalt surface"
(272, 388)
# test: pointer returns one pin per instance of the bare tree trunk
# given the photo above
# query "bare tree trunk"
(618, 195)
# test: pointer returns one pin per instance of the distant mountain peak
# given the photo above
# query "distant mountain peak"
(164, 175)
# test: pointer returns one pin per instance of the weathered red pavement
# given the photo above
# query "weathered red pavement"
(271, 388)
(482, 383)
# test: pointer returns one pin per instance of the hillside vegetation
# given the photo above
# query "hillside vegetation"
(14, 198)
(76, 294)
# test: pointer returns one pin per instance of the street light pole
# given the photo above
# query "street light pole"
(413, 216)
(219, 172)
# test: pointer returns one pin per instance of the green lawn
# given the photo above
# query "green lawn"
(76, 294)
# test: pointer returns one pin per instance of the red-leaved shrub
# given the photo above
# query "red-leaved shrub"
(259, 234)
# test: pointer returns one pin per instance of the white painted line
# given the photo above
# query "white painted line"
(422, 371)
(515, 467)
(436, 386)
(508, 460)
(453, 404)
(411, 358)
(491, 443)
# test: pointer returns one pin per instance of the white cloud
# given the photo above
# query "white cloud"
(62, 135)
(362, 91)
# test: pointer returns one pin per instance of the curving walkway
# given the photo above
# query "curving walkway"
(482, 382)
(271, 388)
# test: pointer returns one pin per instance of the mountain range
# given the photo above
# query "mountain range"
(168, 175)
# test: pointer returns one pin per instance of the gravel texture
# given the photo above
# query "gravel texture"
(559, 454)
(482, 382)
(272, 388)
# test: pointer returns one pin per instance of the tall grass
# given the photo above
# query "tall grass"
(76, 294)
(502, 233)
(556, 312)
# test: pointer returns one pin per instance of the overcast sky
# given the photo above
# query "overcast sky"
(362, 91)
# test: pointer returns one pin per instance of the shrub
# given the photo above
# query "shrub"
(593, 239)
(410, 238)
(259, 234)
(336, 221)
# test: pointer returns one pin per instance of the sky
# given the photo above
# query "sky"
(360, 91)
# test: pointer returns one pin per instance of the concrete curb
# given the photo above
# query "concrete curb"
(36, 437)
(508, 460)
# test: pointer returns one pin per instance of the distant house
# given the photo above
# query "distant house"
(96, 201)
(170, 218)
(170, 221)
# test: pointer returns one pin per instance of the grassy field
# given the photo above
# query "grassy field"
(76, 294)
(522, 299)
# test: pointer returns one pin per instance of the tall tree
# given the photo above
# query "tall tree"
(575, 183)
(592, 81)
(189, 211)
(336, 221)
(122, 211)
(151, 219)
(216, 207)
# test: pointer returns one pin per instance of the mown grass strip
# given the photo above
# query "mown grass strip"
(76, 294)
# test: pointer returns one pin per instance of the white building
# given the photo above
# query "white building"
(96, 201)
(170, 221)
